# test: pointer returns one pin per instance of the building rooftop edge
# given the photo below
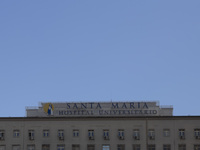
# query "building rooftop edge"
(96, 117)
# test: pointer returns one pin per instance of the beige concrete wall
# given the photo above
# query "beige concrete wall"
(98, 125)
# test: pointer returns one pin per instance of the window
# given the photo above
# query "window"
(196, 147)
(2, 147)
(61, 134)
(151, 147)
(106, 134)
(90, 147)
(166, 132)
(121, 147)
(31, 134)
(31, 147)
(151, 134)
(75, 147)
(75, 133)
(166, 147)
(2, 135)
(181, 147)
(105, 147)
(60, 147)
(197, 133)
(91, 134)
(182, 134)
(45, 133)
(136, 147)
(16, 133)
(121, 134)
(16, 147)
(45, 147)
(136, 134)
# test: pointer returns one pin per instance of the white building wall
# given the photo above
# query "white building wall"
(98, 125)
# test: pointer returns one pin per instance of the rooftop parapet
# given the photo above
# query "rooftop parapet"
(102, 109)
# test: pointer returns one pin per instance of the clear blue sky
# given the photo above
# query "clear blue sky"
(99, 50)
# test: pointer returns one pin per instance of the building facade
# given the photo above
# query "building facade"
(100, 126)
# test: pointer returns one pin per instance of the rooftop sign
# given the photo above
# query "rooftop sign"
(95, 109)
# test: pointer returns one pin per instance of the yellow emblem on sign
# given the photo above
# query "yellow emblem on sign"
(48, 108)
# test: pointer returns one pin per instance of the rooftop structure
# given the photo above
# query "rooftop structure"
(99, 109)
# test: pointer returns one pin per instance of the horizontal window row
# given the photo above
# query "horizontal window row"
(106, 134)
(103, 147)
